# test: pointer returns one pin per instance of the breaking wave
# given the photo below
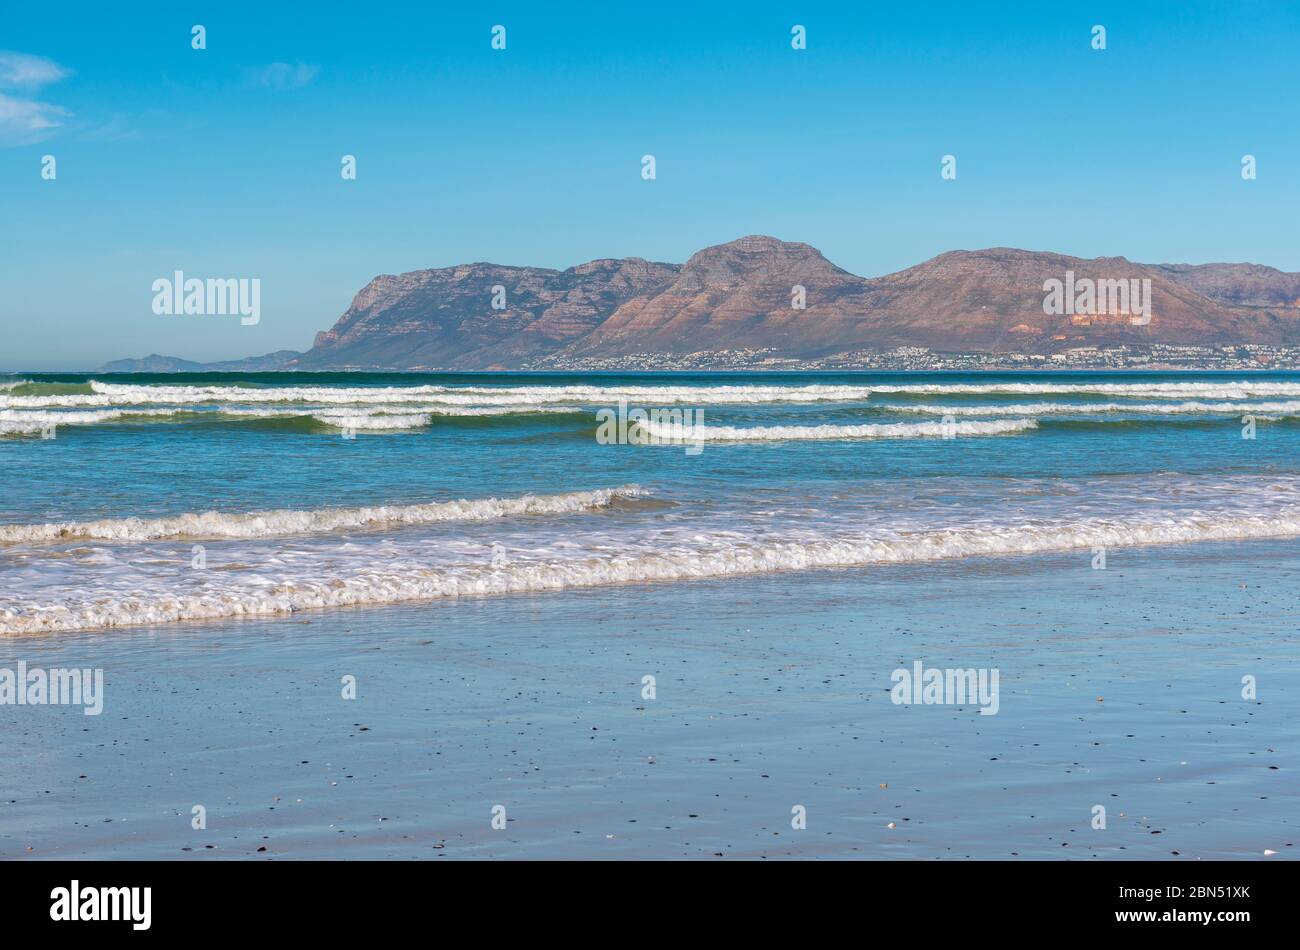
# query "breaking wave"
(1289, 408)
(18, 422)
(116, 394)
(715, 556)
(31, 421)
(900, 430)
(352, 420)
(287, 522)
(443, 399)
(1176, 390)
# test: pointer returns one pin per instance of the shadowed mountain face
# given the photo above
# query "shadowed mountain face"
(446, 318)
(744, 295)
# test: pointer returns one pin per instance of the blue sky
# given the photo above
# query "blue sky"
(224, 162)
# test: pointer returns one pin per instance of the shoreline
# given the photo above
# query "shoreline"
(1060, 369)
(1119, 687)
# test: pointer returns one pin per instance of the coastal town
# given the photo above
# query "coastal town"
(919, 358)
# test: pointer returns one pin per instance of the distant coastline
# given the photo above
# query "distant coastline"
(762, 303)
(902, 359)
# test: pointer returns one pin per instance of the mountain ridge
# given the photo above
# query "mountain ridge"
(744, 295)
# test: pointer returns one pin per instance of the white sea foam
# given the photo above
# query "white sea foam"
(89, 417)
(404, 417)
(21, 422)
(819, 392)
(536, 396)
(528, 397)
(466, 395)
(20, 428)
(444, 410)
(26, 421)
(899, 430)
(711, 557)
(286, 522)
(1059, 408)
(738, 393)
(385, 423)
(1174, 390)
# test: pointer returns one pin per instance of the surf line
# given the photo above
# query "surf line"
(656, 426)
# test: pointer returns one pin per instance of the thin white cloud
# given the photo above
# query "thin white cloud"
(24, 120)
(24, 69)
(282, 75)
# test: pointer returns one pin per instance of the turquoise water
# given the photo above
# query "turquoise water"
(146, 499)
(499, 582)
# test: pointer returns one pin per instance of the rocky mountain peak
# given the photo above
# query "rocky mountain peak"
(760, 293)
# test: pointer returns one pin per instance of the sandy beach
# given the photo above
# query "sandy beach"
(1119, 688)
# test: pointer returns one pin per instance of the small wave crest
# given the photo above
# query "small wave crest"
(900, 430)
(288, 522)
(710, 557)
(1289, 408)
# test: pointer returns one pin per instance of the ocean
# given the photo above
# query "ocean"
(658, 635)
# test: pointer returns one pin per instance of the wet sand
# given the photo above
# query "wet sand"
(1119, 688)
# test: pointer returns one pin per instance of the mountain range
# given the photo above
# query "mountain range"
(742, 296)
